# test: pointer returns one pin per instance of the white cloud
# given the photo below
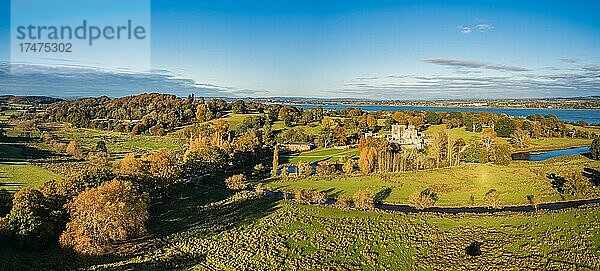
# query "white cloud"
(465, 29)
(484, 27)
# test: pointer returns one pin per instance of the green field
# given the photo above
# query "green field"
(14, 175)
(242, 233)
(318, 155)
(119, 142)
(454, 185)
(536, 143)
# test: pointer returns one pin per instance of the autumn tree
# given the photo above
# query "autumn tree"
(99, 159)
(130, 165)
(489, 139)
(29, 219)
(163, 171)
(520, 139)
(203, 113)
(75, 149)
(102, 216)
(348, 166)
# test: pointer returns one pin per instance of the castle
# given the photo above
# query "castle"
(407, 137)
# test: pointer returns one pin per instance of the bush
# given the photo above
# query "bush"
(424, 199)
(29, 219)
(101, 216)
(363, 200)
(236, 182)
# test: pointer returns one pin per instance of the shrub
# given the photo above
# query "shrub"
(236, 182)
(424, 199)
(492, 198)
(101, 216)
(29, 219)
(363, 200)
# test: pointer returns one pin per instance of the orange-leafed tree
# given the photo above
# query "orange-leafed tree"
(102, 216)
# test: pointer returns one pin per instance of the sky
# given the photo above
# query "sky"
(360, 49)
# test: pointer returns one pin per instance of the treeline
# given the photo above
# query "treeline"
(92, 211)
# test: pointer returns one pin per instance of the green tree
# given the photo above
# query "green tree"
(29, 219)
(239, 107)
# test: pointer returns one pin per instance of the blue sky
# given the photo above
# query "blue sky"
(367, 49)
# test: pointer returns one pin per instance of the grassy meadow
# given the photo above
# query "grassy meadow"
(455, 185)
(257, 233)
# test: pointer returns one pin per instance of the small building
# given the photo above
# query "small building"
(297, 147)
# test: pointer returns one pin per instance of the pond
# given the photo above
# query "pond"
(545, 155)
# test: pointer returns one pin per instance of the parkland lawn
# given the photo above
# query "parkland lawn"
(536, 143)
(454, 185)
(15, 175)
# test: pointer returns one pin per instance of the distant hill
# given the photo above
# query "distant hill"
(28, 99)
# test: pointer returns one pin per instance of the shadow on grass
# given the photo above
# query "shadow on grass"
(186, 215)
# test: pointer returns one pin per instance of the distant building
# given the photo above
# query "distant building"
(297, 147)
(407, 136)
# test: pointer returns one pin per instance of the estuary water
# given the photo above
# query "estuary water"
(591, 116)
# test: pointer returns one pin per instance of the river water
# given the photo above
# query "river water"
(545, 155)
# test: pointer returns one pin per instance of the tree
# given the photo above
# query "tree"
(595, 149)
(492, 198)
(130, 165)
(348, 166)
(236, 182)
(203, 113)
(424, 199)
(501, 154)
(489, 139)
(101, 147)
(275, 161)
(162, 165)
(101, 216)
(363, 200)
(238, 107)
(520, 139)
(75, 149)
(29, 219)
(505, 127)
(248, 142)
(532, 201)
(371, 122)
(99, 159)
